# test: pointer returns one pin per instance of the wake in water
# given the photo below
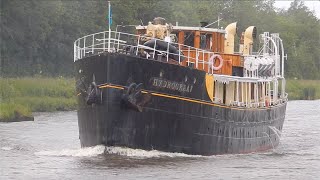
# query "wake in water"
(6, 148)
(122, 151)
(14, 147)
(139, 153)
(83, 152)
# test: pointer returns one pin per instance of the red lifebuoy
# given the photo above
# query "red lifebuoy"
(211, 62)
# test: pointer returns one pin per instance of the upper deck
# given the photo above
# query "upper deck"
(207, 49)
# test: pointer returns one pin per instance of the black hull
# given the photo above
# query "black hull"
(177, 118)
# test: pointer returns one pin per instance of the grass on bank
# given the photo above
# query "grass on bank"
(21, 96)
(303, 89)
(11, 110)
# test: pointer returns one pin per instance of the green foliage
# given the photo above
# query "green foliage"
(39, 87)
(303, 89)
(47, 104)
(37, 36)
(21, 96)
(12, 110)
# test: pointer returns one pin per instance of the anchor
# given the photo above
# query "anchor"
(94, 93)
(133, 98)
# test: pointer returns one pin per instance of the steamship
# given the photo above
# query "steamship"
(181, 89)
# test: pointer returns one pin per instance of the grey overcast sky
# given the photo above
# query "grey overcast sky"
(312, 5)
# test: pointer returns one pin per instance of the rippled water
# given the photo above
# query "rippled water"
(49, 148)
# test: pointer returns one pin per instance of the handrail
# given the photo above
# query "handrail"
(100, 42)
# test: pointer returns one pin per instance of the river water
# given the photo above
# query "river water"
(49, 148)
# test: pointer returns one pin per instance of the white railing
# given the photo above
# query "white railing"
(269, 60)
(126, 43)
(253, 104)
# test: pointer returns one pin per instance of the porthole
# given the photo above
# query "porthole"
(161, 73)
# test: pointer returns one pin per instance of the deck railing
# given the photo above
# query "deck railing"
(133, 45)
(120, 42)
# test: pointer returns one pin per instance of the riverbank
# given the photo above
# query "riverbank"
(22, 96)
(303, 89)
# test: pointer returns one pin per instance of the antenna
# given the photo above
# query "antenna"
(214, 22)
(141, 22)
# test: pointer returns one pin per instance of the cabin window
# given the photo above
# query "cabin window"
(252, 90)
(214, 90)
(189, 39)
(224, 93)
(174, 36)
(205, 41)
(240, 92)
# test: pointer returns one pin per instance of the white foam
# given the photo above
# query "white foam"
(139, 153)
(82, 152)
(122, 151)
(6, 148)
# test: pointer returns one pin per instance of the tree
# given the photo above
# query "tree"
(37, 36)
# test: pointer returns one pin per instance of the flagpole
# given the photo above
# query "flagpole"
(109, 22)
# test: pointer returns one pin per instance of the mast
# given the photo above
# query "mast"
(109, 23)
